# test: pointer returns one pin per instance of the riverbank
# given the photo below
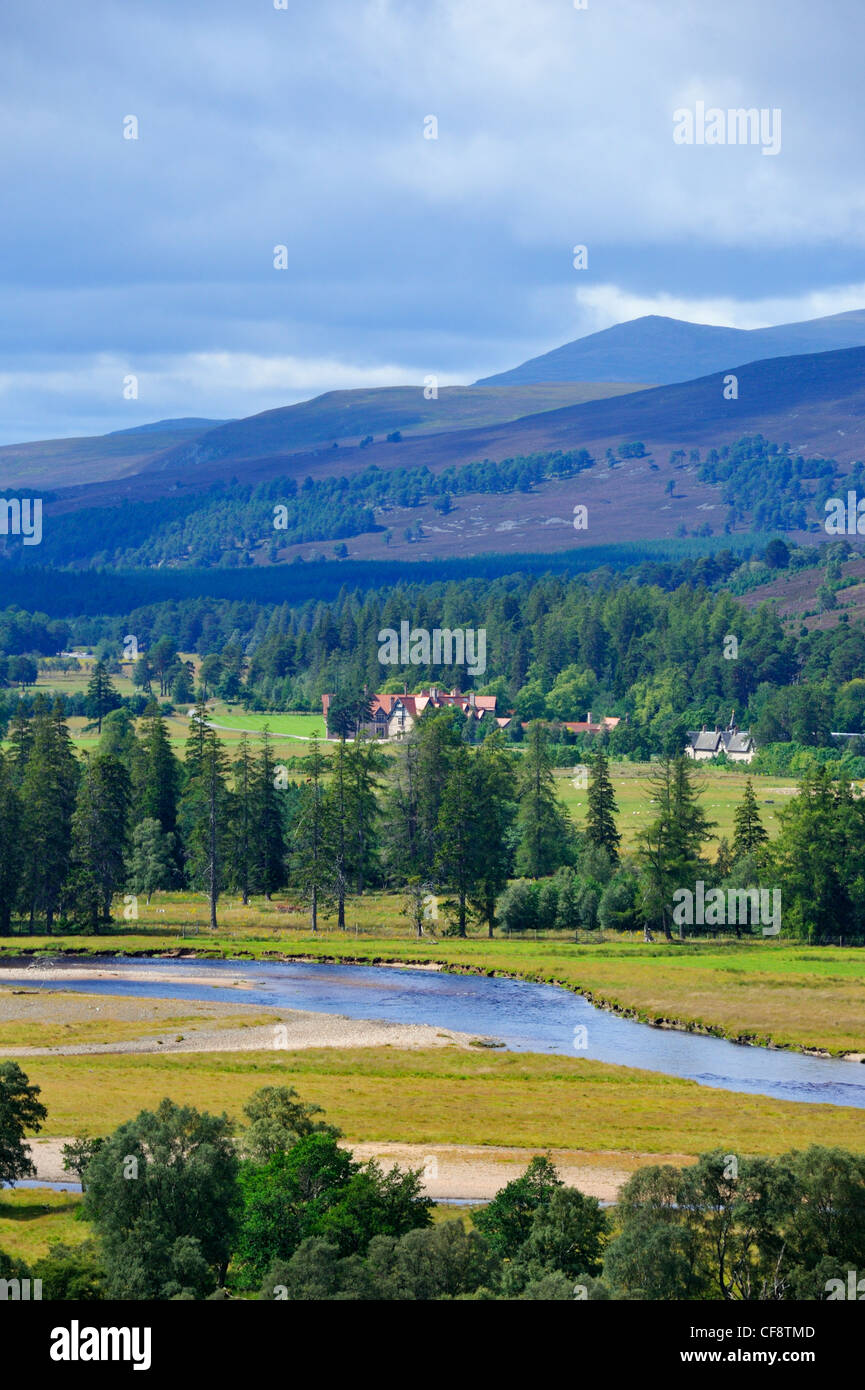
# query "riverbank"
(43, 1023)
(451, 1172)
(776, 994)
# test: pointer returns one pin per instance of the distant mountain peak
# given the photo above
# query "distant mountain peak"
(187, 422)
(660, 349)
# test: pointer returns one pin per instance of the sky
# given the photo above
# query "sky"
(303, 127)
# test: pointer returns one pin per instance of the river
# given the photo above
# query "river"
(523, 1017)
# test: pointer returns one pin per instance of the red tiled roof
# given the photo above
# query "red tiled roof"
(414, 705)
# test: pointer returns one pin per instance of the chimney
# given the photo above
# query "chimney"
(404, 689)
(433, 694)
(589, 717)
(471, 699)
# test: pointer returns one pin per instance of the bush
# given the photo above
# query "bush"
(71, 1274)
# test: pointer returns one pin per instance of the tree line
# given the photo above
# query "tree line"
(474, 837)
(556, 648)
(182, 1204)
(227, 523)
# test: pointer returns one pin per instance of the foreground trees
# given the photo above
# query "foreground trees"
(182, 1207)
(161, 1193)
(20, 1110)
(749, 1228)
(316, 1188)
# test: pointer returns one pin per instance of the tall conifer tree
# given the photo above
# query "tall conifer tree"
(601, 814)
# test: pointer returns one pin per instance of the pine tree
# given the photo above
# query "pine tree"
(11, 853)
(101, 695)
(457, 860)
(151, 863)
(313, 836)
(119, 738)
(205, 811)
(48, 800)
(749, 833)
(243, 827)
(142, 675)
(600, 817)
(269, 821)
(82, 897)
(402, 856)
(98, 840)
(366, 764)
(338, 797)
(493, 819)
(438, 735)
(670, 845)
(346, 713)
(162, 657)
(182, 687)
(64, 756)
(353, 812)
(20, 744)
(159, 777)
(809, 855)
(545, 831)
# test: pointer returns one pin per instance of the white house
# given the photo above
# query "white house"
(709, 743)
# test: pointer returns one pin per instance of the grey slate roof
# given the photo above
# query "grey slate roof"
(720, 740)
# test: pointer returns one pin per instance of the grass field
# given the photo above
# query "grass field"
(289, 730)
(32, 1220)
(722, 791)
(75, 682)
(446, 1096)
(798, 996)
(722, 788)
(280, 725)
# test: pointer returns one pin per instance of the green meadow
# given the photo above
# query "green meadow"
(722, 790)
(447, 1096)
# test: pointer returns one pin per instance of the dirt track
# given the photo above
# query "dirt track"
(454, 1171)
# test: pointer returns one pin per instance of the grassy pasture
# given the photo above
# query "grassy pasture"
(722, 790)
(280, 725)
(447, 1096)
(32, 1219)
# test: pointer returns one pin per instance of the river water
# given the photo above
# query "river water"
(523, 1017)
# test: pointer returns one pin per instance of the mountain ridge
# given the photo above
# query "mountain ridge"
(679, 350)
